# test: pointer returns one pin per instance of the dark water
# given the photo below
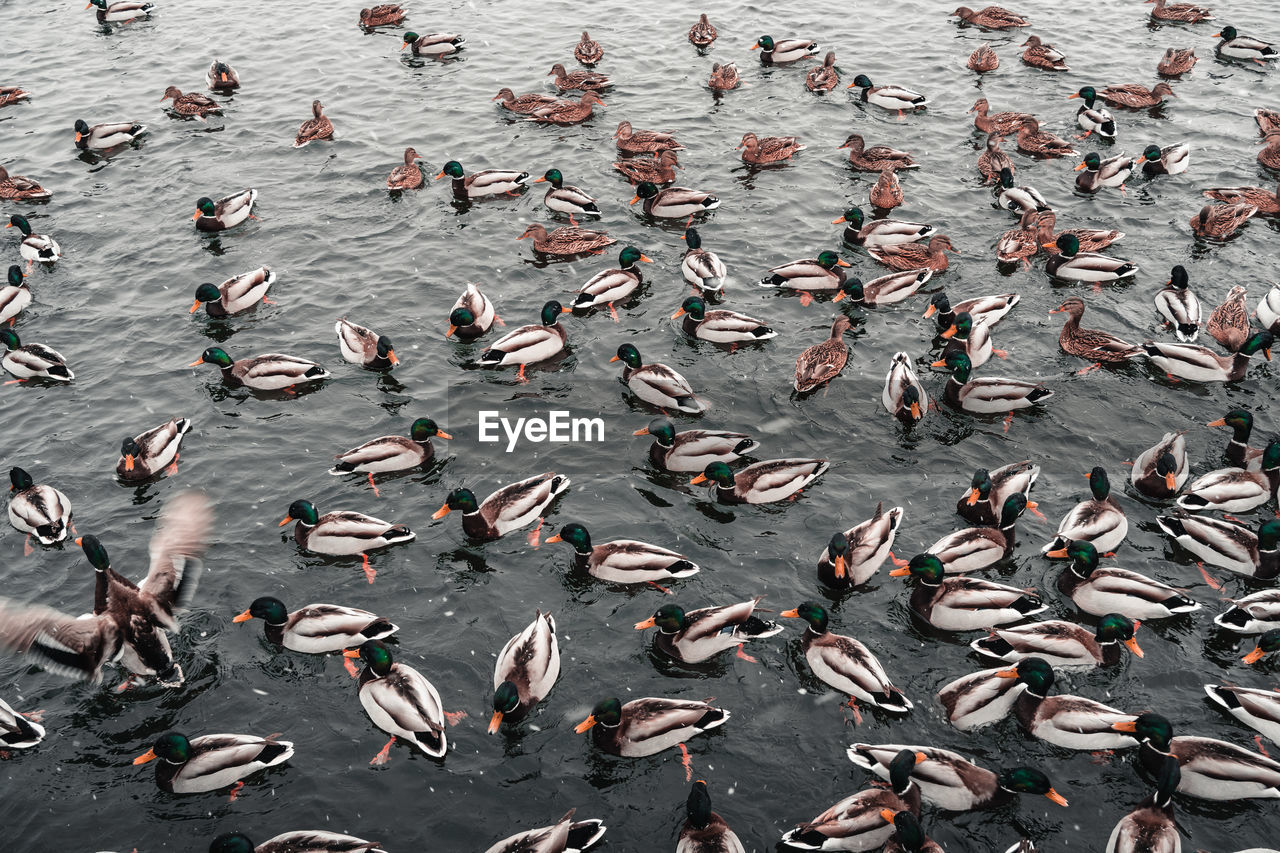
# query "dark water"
(116, 307)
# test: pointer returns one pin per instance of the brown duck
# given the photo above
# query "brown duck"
(407, 176)
(1091, 344)
(983, 59)
(1270, 155)
(1033, 140)
(11, 95)
(1177, 61)
(913, 256)
(1091, 239)
(191, 104)
(1021, 243)
(1268, 121)
(702, 34)
(822, 362)
(1041, 55)
(315, 128)
(1184, 12)
(659, 169)
(19, 188)
(1001, 123)
(568, 240)
(877, 158)
(887, 193)
(1221, 220)
(523, 104)
(1266, 201)
(824, 77)
(588, 51)
(768, 149)
(631, 141)
(568, 111)
(1136, 97)
(581, 80)
(993, 160)
(991, 18)
(724, 77)
(384, 15)
(1229, 322)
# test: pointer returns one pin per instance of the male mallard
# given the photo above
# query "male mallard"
(1177, 61)
(236, 294)
(14, 296)
(391, 452)
(472, 315)
(784, 51)
(988, 309)
(364, 347)
(656, 383)
(1091, 344)
(226, 212)
(192, 104)
(993, 160)
(761, 482)
(659, 168)
(1220, 221)
(567, 111)
(222, 77)
(976, 548)
(523, 104)
(980, 698)
(914, 256)
(880, 232)
(983, 59)
(578, 80)
(694, 449)
(1152, 825)
(529, 344)
(854, 823)
(631, 141)
(1160, 470)
(1099, 520)
(1169, 160)
(1235, 489)
(1097, 173)
(343, 533)
(888, 97)
(623, 560)
(1179, 306)
(808, 274)
(852, 558)
(612, 285)
(1093, 118)
(100, 137)
(271, 371)
(886, 194)
(1038, 54)
(316, 629)
(648, 726)
(17, 730)
(704, 831)
(823, 361)
(989, 395)
(824, 77)
(1211, 769)
(408, 175)
(1033, 140)
(121, 11)
(1227, 545)
(145, 455)
(1198, 364)
(383, 15)
(1254, 614)
(209, 762)
(526, 670)
(1238, 451)
(877, 158)
(484, 183)
(39, 510)
(990, 18)
(1238, 46)
(719, 325)
(1021, 243)
(400, 701)
(694, 636)
(509, 508)
(588, 51)
(903, 396)
(1023, 199)
(1267, 643)
(1137, 97)
(983, 502)
(1090, 239)
(962, 603)
(1063, 644)
(566, 199)
(566, 835)
(673, 202)
(33, 361)
(702, 34)
(1071, 264)
(1100, 591)
(301, 841)
(1000, 124)
(34, 247)
(846, 664)
(1266, 201)
(1256, 708)
(566, 241)
(435, 45)
(769, 149)
(1071, 722)
(701, 267)
(724, 77)
(20, 188)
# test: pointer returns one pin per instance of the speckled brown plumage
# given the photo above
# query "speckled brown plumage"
(1136, 97)
(913, 256)
(1091, 239)
(887, 193)
(992, 160)
(1001, 123)
(724, 77)
(1177, 61)
(1266, 201)
(658, 169)
(992, 18)
(1098, 347)
(876, 158)
(768, 149)
(983, 59)
(1184, 12)
(588, 50)
(824, 77)
(1041, 55)
(1033, 140)
(702, 34)
(1221, 220)
(1229, 322)
(384, 15)
(567, 240)
(1269, 156)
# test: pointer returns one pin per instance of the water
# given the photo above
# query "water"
(116, 308)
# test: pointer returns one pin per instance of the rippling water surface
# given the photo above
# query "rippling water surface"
(116, 308)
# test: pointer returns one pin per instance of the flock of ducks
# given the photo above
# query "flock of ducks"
(130, 623)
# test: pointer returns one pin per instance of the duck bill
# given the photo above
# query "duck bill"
(838, 221)
(753, 47)
(634, 200)
(1007, 673)
(403, 46)
(1081, 167)
(150, 754)
(939, 363)
(128, 464)
(1140, 160)
(842, 263)
(930, 311)
(900, 572)
(791, 614)
(1129, 726)
(1132, 645)
(1073, 97)
(950, 333)
(494, 722)
(1060, 554)
(1218, 422)
(1056, 797)
(1035, 510)
(197, 214)
(678, 314)
(285, 520)
(647, 623)
(195, 307)
(840, 295)
(442, 434)
(441, 512)
(1267, 353)
(1171, 481)
(391, 356)
(915, 411)
(839, 566)
(540, 180)
(921, 758)
(242, 617)
(611, 361)
(1254, 656)
(646, 259)
(554, 538)
(973, 497)
(452, 329)
(441, 175)
(887, 815)
(1049, 246)
(698, 480)
(644, 431)
(351, 653)
(199, 360)
(585, 724)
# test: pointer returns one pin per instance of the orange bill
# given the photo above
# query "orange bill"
(285, 520)
(930, 311)
(452, 329)
(615, 358)
(128, 462)
(646, 259)
(1060, 554)
(442, 434)
(698, 480)
(794, 613)
(585, 724)
(196, 307)
(973, 497)
(441, 175)
(842, 263)
(554, 538)
(644, 431)
(1080, 167)
(900, 572)
(391, 356)
(242, 617)
(199, 360)
(441, 512)
(634, 200)
(950, 333)
(495, 721)
(1171, 481)
(839, 566)
(1254, 656)
(676, 316)
(647, 623)
(837, 221)
(915, 411)
(939, 363)
(351, 653)
(1130, 726)
(1218, 422)
(1132, 645)
(540, 180)
(1007, 673)
(888, 815)
(197, 214)
(150, 754)
(1073, 97)
(1056, 797)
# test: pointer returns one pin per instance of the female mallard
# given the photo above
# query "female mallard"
(694, 449)
(1041, 143)
(484, 183)
(624, 560)
(1038, 54)
(704, 831)
(1235, 489)
(565, 112)
(1220, 221)
(17, 730)
(903, 396)
(1093, 118)
(226, 212)
(209, 762)
(1229, 546)
(38, 510)
(34, 247)
(648, 726)
(566, 199)
(588, 51)
(1137, 97)
(972, 339)
(983, 59)
(408, 175)
(1181, 12)
(888, 97)
(784, 51)
(824, 77)
(271, 371)
(962, 603)
(1266, 201)
(1268, 121)
(913, 256)
(343, 533)
(694, 636)
(823, 361)
(631, 141)
(880, 232)
(720, 326)
(1091, 344)
(529, 344)
(877, 158)
(582, 81)
(976, 548)
(33, 361)
(988, 309)
(472, 315)
(854, 823)
(1099, 520)
(509, 508)
(1269, 156)
(702, 34)
(846, 664)
(659, 168)
(701, 267)
(1254, 614)
(1238, 451)
(1237, 46)
(365, 347)
(1064, 644)
(1090, 239)
(192, 104)
(993, 161)
(1198, 364)
(121, 11)
(383, 15)
(221, 77)
(1161, 470)
(566, 835)
(1100, 591)
(100, 137)
(724, 77)
(952, 782)
(523, 104)
(145, 455)
(1097, 173)
(1071, 722)
(391, 452)
(435, 45)
(1169, 160)
(612, 285)
(526, 670)
(316, 629)
(1071, 264)
(10, 95)
(1021, 243)
(302, 841)
(990, 18)
(983, 502)
(808, 274)
(236, 294)
(674, 202)
(1177, 61)
(400, 701)
(656, 383)
(1179, 306)
(20, 188)
(759, 151)
(887, 192)
(852, 558)
(1001, 124)
(1024, 199)
(989, 395)
(1256, 708)
(14, 296)
(761, 482)
(569, 240)
(1211, 769)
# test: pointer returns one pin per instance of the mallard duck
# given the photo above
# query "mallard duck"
(1135, 96)
(400, 701)
(1198, 364)
(10, 95)
(1093, 118)
(854, 823)
(769, 149)
(221, 77)
(147, 454)
(1268, 121)
(1235, 489)
(1033, 140)
(1021, 243)
(383, 15)
(987, 309)
(192, 104)
(408, 175)
(1211, 769)
(701, 267)
(1220, 221)
(1161, 470)
(566, 112)
(1266, 201)
(343, 533)
(846, 664)
(17, 730)
(784, 50)
(526, 670)
(612, 285)
(903, 396)
(631, 141)
(1102, 591)
(1097, 173)
(20, 188)
(888, 97)
(529, 344)
(1090, 239)
(852, 558)
(100, 137)
(1001, 124)
(567, 240)
(34, 247)
(1091, 344)
(121, 11)
(624, 560)
(724, 77)
(1238, 451)
(1182, 12)
(1226, 545)
(952, 782)
(962, 603)
(588, 51)
(37, 510)
(1177, 61)
(391, 452)
(365, 347)
(983, 59)
(988, 395)
(1038, 54)
(236, 294)
(1071, 722)
(1064, 644)
(566, 836)
(317, 628)
(673, 202)
(271, 371)
(1256, 708)
(877, 158)
(1238, 46)
(993, 161)
(657, 169)
(1269, 156)
(972, 339)
(980, 698)
(562, 198)
(1099, 520)
(694, 449)
(509, 508)
(1253, 614)
(983, 502)
(522, 104)
(656, 383)
(976, 548)
(1024, 199)
(720, 326)
(435, 45)
(887, 192)
(1267, 643)
(33, 361)
(824, 77)
(823, 361)
(913, 256)
(694, 636)
(880, 232)
(808, 274)
(578, 80)
(472, 315)
(702, 34)
(761, 482)
(908, 835)
(209, 762)
(302, 841)
(226, 212)
(648, 726)
(1151, 826)
(1179, 306)
(14, 296)
(1071, 264)
(990, 18)
(1169, 160)
(484, 183)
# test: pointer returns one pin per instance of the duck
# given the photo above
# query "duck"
(895, 98)
(695, 636)
(1198, 364)
(588, 51)
(484, 183)
(316, 629)
(33, 361)
(980, 698)
(914, 256)
(435, 45)
(1161, 470)
(192, 104)
(1179, 305)
(17, 730)
(1182, 12)
(1093, 118)
(1064, 644)
(649, 725)
(769, 149)
(566, 112)
(822, 362)
(1033, 140)
(529, 344)
(526, 670)
(235, 295)
(311, 840)
(1091, 344)
(1039, 54)
(854, 823)
(694, 449)
(632, 141)
(121, 11)
(673, 202)
(1237, 46)
(408, 175)
(38, 510)
(903, 396)
(522, 104)
(209, 762)
(1071, 264)
(808, 274)
(884, 290)
(14, 296)
(784, 50)
(1267, 643)
(34, 247)
(1090, 239)
(400, 701)
(1099, 520)
(908, 835)
(1220, 221)
(824, 77)
(1071, 722)
(1254, 614)
(886, 194)
(1135, 96)
(343, 533)
(990, 18)
(1001, 124)
(963, 603)
(989, 395)
(10, 95)
(657, 169)
(1235, 489)
(703, 33)
(1151, 825)
(1227, 545)
(1266, 201)
(612, 285)
(566, 199)
(391, 452)
(150, 453)
(1102, 591)
(1098, 173)
(472, 315)
(1268, 310)
(1268, 121)
(972, 339)
(976, 548)
(623, 561)
(383, 15)
(1177, 61)
(100, 137)
(880, 232)
(993, 161)
(846, 664)
(983, 502)
(578, 80)
(656, 383)
(720, 326)
(509, 508)
(724, 77)
(271, 371)
(1238, 451)
(1021, 243)
(1169, 160)
(1269, 156)
(21, 188)
(702, 267)
(852, 558)
(768, 481)
(566, 835)
(314, 129)
(1211, 769)
(877, 158)
(226, 212)
(987, 309)
(983, 59)
(1257, 708)
(566, 241)
(221, 77)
